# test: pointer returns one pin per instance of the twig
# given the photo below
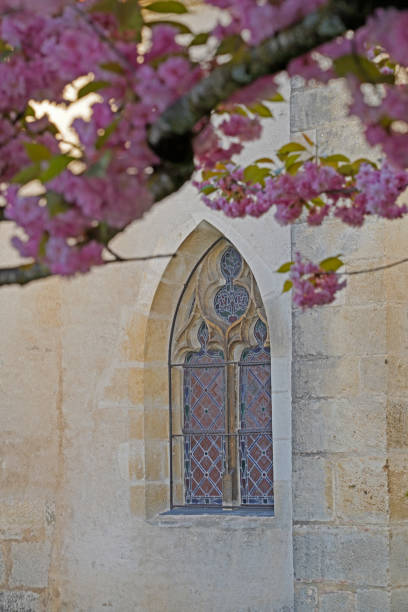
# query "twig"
(142, 258)
(376, 269)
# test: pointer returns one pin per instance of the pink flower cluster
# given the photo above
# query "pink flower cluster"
(312, 285)
(261, 19)
(318, 189)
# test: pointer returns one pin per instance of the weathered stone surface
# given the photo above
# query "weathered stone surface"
(399, 556)
(339, 425)
(399, 600)
(397, 424)
(361, 490)
(305, 598)
(316, 106)
(325, 377)
(21, 519)
(2, 568)
(30, 563)
(340, 331)
(331, 602)
(335, 137)
(312, 489)
(19, 601)
(398, 485)
(373, 600)
(341, 554)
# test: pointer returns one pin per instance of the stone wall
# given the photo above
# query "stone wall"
(349, 415)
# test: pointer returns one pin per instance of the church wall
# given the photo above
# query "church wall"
(349, 501)
(94, 403)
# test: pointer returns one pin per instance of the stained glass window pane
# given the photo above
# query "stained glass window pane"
(204, 424)
(255, 448)
(231, 301)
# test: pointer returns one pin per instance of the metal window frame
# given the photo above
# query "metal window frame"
(237, 434)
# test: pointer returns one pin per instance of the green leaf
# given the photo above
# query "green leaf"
(112, 67)
(333, 159)
(129, 16)
(200, 39)
(91, 88)
(100, 141)
(285, 267)
(27, 174)
(56, 203)
(237, 110)
(291, 159)
(255, 174)
(181, 27)
(365, 70)
(104, 6)
(230, 44)
(43, 243)
(346, 170)
(29, 111)
(331, 264)
(277, 97)
(290, 148)
(260, 109)
(208, 189)
(264, 160)
(167, 6)
(308, 140)
(56, 165)
(37, 151)
(287, 286)
(317, 202)
(207, 174)
(293, 168)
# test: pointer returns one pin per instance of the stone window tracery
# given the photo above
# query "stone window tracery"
(220, 379)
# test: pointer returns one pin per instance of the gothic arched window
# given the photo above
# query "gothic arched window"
(220, 380)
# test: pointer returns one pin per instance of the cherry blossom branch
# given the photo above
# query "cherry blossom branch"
(377, 268)
(174, 127)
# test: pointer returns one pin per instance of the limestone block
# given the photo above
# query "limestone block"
(157, 386)
(21, 519)
(157, 498)
(317, 106)
(398, 485)
(331, 602)
(157, 339)
(347, 137)
(399, 556)
(19, 601)
(373, 600)
(339, 425)
(2, 568)
(399, 600)
(397, 424)
(132, 346)
(137, 500)
(126, 385)
(325, 377)
(362, 245)
(156, 423)
(157, 460)
(347, 330)
(30, 563)
(397, 328)
(361, 489)
(365, 288)
(305, 598)
(136, 424)
(374, 374)
(398, 375)
(312, 489)
(341, 554)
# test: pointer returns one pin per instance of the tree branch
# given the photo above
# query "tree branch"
(171, 135)
(377, 269)
(173, 129)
